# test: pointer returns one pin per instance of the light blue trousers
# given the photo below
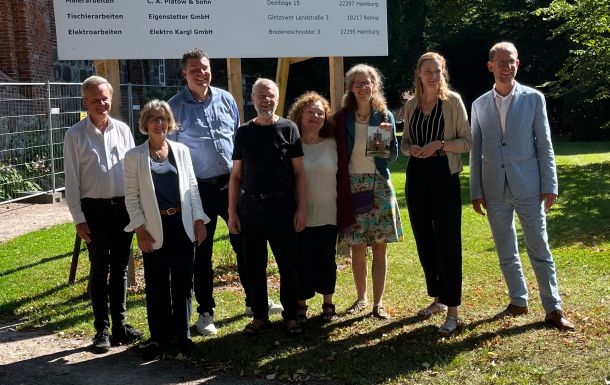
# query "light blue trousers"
(533, 223)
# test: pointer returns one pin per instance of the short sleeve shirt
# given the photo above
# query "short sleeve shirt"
(266, 153)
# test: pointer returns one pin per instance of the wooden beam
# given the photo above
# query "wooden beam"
(336, 76)
(281, 78)
(109, 69)
(235, 84)
(294, 60)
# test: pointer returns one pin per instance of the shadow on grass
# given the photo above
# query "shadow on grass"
(391, 350)
(9, 307)
(34, 264)
(584, 197)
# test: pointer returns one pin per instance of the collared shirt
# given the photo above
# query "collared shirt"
(207, 128)
(93, 162)
(503, 105)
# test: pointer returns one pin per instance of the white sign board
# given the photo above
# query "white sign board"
(165, 29)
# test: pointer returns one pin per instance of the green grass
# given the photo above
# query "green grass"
(360, 350)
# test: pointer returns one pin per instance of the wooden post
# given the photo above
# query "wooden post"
(235, 84)
(281, 78)
(74, 265)
(335, 66)
(109, 69)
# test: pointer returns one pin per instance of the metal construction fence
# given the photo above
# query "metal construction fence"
(34, 118)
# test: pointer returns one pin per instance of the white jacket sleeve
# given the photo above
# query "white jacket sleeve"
(132, 190)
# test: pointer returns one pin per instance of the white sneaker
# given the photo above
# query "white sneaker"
(274, 308)
(205, 325)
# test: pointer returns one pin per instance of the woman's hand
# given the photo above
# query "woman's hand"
(426, 151)
(415, 151)
(388, 127)
(200, 231)
(145, 240)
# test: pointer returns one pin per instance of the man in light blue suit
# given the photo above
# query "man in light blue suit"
(512, 169)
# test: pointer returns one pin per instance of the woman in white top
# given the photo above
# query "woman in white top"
(165, 210)
(316, 252)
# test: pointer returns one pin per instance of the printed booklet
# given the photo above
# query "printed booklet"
(378, 142)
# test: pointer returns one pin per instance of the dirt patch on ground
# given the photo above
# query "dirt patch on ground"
(21, 218)
(37, 356)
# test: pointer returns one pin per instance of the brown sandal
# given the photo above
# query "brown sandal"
(302, 313)
(256, 327)
(293, 327)
(328, 312)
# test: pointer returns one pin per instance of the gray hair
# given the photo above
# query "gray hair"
(94, 81)
(266, 82)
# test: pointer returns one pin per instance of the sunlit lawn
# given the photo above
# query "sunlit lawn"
(362, 350)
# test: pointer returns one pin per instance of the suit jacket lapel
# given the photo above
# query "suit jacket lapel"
(514, 111)
(495, 114)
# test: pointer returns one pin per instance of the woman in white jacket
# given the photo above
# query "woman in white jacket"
(166, 214)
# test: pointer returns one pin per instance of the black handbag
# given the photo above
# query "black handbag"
(363, 201)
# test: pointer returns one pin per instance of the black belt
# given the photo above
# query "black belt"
(106, 201)
(215, 180)
(267, 195)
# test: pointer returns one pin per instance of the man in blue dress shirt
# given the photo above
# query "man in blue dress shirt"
(208, 118)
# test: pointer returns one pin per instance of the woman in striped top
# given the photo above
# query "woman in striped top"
(436, 132)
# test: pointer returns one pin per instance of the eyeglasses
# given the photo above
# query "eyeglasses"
(158, 119)
(506, 63)
(367, 84)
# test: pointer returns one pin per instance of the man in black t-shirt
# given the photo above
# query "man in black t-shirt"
(268, 168)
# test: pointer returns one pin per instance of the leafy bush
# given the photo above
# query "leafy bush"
(11, 181)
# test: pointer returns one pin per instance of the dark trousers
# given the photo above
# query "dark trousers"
(316, 261)
(215, 202)
(435, 210)
(270, 220)
(168, 274)
(109, 251)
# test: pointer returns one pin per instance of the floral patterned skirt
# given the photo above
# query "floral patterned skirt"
(380, 225)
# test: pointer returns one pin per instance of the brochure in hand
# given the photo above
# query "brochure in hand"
(378, 142)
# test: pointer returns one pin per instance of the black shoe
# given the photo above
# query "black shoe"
(187, 347)
(150, 350)
(101, 341)
(126, 335)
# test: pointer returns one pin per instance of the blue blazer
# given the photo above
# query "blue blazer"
(523, 156)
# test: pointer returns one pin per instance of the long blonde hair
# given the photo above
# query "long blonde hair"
(443, 86)
(378, 102)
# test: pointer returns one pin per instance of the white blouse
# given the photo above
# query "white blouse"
(320, 162)
(359, 163)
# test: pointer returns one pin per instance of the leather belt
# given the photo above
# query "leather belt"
(107, 201)
(215, 180)
(170, 211)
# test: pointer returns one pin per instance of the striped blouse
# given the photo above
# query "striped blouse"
(424, 129)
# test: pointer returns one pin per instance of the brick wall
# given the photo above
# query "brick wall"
(28, 39)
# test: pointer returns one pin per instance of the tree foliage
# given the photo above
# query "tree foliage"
(585, 74)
